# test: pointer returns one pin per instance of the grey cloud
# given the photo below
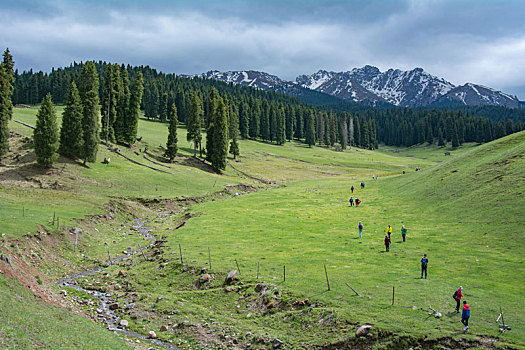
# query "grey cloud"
(481, 42)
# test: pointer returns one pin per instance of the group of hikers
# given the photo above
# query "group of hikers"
(424, 260)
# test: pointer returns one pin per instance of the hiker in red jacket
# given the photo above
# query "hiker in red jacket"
(457, 297)
(387, 242)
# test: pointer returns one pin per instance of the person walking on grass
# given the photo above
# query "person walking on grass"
(424, 264)
(360, 226)
(403, 232)
(351, 200)
(357, 202)
(387, 243)
(389, 231)
(465, 315)
(352, 188)
(457, 297)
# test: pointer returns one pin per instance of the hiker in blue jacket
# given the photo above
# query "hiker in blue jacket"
(465, 315)
(424, 264)
(351, 200)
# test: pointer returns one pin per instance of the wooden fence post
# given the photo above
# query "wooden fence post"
(326, 273)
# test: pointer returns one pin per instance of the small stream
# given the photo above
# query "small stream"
(110, 317)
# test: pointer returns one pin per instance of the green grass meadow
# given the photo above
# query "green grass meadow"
(466, 211)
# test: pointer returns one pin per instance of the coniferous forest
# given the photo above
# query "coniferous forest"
(228, 112)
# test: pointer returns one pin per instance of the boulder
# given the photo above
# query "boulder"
(114, 306)
(123, 323)
(152, 335)
(363, 330)
(438, 315)
(277, 343)
(232, 276)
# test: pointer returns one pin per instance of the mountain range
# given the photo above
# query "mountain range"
(369, 86)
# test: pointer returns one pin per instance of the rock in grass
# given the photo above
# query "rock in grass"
(114, 306)
(152, 334)
(438, 315)
(363, 330)
(163, 328)
(123, 323)
(232, 276)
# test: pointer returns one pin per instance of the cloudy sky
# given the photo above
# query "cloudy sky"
(462, 41)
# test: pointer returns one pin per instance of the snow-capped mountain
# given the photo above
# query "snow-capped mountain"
(258, 80)
(401, 88)
(476, 95)
(368, 85)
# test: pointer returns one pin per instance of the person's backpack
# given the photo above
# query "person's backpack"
(455, 295)
(360, 226)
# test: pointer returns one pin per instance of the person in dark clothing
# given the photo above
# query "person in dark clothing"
(357, 202)
(351, 200)
(457, 297)
(352, 188)
(424, 264)
(362, 185)
(387, 243)
(465, 315)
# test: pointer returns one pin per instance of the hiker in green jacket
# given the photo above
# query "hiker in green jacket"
(403, 232)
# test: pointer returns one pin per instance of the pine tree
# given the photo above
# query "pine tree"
(220, 137)
(357, 132)
(45, 135)
(441, 141)
(280, 133)
(163, 108)
(234, 145)
(7, 66)
(171, 145)
(194, 122)
(109, 102)
(244, 120)
(122, 107)
(455, 138)
(255, 116)
(310, 130)
(132, 120)
(71, 139)
(88, 90)
(290, 122)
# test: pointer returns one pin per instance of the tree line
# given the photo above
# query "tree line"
(204, 104)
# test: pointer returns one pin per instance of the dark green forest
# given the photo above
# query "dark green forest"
(275, 117)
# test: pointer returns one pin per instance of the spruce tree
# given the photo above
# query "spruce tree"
(6, 104)
(244, 120)
(112, 87)
(234, 146)
(220, 137)
(310, 130)
(71, 139)
(88, 90)
(441, 141)
(455, 138)
(357, 132)
(194, 122)
(122, 107)
(255, 117)
(45, 135)
(132, 121)
(171, 145)
(280, 132)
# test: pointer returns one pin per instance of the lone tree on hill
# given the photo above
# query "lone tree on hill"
(171, 145)
(45, 134)
(6, 104)
(122, 107)
(88, 89)
(132, 122)
(194, 122)
(71, 139)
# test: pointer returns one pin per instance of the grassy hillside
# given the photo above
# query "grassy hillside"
(465, 211)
